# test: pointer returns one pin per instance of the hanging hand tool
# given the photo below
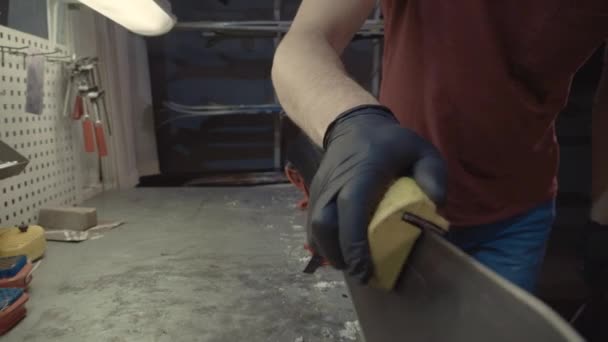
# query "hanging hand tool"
(100, 137)
(94, 94)
(74, 75)
(73, 105)
(88, 92)
(78, 110)
(87, 128)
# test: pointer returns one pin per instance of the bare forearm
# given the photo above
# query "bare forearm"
(312, 84)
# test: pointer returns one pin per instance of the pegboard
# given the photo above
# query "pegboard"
(46, 140)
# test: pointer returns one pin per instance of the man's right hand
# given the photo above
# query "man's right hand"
(365, 151)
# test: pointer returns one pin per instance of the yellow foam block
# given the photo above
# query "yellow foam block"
(391, 239)
(31, 242)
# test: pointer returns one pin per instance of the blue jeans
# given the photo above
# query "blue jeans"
(513, 248)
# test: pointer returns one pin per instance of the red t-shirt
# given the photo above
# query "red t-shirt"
(484, 81)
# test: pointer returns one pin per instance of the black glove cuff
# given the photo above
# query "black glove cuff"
(356, 111)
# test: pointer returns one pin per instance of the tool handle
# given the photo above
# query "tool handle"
(87, 131)
(78, 109)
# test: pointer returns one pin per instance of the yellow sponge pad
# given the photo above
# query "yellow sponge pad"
(391, 238)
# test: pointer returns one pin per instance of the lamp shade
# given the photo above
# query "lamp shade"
(145, 17)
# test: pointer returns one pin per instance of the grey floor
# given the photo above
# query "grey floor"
(190, 264)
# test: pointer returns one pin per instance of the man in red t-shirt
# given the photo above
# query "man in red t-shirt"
(470, 91)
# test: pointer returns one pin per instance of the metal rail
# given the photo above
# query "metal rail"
(372, 28)
(185, 111)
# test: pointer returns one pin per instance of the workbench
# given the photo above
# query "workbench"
(189, 264)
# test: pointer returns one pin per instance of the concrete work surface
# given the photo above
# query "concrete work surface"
(189, 264)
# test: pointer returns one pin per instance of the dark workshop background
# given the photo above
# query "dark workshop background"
(190, 68)
(561, 284)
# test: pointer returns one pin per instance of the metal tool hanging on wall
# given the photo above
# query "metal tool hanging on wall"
(85, 101)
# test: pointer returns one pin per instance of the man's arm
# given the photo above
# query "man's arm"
(599, 212)
(309, 77)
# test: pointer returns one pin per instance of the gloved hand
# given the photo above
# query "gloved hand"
(365, 151)
(595, 256)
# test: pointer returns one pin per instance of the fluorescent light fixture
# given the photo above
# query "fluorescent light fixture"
(145, 17)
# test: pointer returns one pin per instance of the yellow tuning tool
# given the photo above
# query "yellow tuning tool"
(396, 225)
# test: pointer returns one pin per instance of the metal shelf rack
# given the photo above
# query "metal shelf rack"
(372, 29)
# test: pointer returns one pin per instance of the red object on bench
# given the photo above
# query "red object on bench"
(20, 280)
(13, 314)
(296, 179)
